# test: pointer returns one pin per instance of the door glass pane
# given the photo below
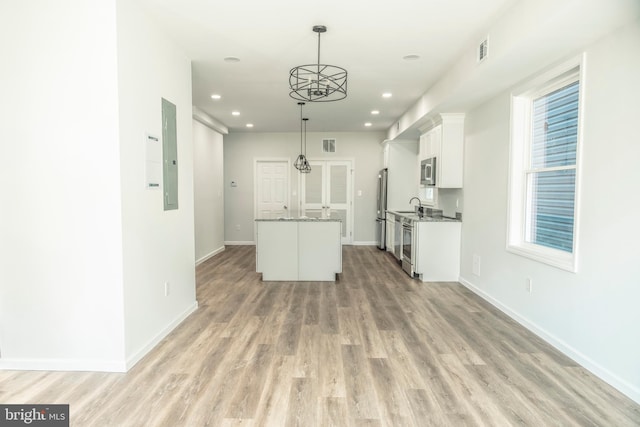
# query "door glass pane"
(313, 213)
(313, 185)
(338, 178)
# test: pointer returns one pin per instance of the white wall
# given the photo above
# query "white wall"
(158, 245)
(208, 176)
(592, 315)
(240, 150)
(403, 174)
(61, 272)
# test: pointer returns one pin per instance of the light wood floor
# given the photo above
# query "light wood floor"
(374, 349)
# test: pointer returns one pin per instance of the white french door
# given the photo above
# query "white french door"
(326, 192)
(272, 189)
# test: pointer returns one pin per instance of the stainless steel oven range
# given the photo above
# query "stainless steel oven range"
(397, 239)
(408, 248)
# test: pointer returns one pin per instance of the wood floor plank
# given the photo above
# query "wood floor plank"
(330, 370)
(349, 330)
(374, 348)
(303, 404)
(272, 409)
(329, 309)
(477, 402)
(361, 399)
(307, 356)
(247, 395)
(334, 412)
(403, 368)
(369, 333)
(312, 304)
(290, 331)
(424, 408)
(393, 404)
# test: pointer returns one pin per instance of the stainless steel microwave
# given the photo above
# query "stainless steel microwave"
(428, 172)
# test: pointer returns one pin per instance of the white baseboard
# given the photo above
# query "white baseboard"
(209, 255)
(85, 365)
(239, 243)
(364, 243)
(604, 374)
(93, 365)
(138, 355)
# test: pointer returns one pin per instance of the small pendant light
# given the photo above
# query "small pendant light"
(300, 161)
(306, 167)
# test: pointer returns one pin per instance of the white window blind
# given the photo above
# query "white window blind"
(551, 175)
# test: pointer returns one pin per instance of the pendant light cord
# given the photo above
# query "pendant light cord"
(318, 79)
(305, 137)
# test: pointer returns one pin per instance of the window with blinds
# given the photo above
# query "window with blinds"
(551, 175)
(544, 166)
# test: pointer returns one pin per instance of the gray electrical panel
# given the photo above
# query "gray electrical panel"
(169, 155)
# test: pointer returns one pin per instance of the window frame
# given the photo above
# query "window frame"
(520, 163)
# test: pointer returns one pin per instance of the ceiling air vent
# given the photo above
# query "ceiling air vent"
(329, 145)
(483, 50)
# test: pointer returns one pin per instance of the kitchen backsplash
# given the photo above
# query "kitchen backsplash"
(450, 201)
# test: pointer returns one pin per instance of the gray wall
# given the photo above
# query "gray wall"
(242, 149)
(208, 189)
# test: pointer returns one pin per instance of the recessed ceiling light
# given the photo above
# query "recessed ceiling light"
(231, 59)
(235, 113)
(375, 112)
(215, 96)
(249, 125)
(411, 57)
(387, 95)
(368, 124)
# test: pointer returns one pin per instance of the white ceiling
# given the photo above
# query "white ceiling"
(368, 38)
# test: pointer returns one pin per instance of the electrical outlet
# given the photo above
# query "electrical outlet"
(476, 264)
(529, 284)
(166, 289)
(237, 227)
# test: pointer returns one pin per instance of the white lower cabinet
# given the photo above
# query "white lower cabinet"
(293, 250)
(391, 231)
(437, 247)
(277, 250)
(319, 250)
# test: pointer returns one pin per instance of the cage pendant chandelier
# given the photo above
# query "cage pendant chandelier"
(306, 167)
(301, 162)
(318, 82)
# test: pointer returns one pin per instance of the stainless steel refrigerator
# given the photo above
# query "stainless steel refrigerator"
(381, 219)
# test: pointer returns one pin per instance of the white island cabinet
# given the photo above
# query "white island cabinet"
(298, 249)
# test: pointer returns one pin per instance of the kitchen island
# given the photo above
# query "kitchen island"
(298, 249)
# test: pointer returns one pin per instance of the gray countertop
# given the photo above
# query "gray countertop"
(303, 219)
(416, 218)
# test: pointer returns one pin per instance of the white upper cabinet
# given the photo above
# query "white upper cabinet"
(445, 142)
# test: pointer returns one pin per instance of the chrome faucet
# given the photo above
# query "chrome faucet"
(419, 208)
